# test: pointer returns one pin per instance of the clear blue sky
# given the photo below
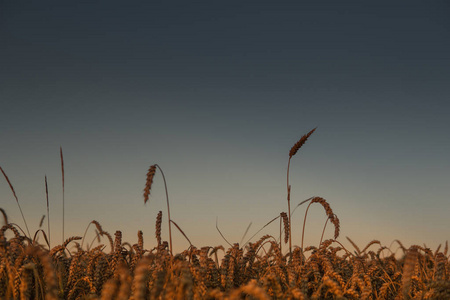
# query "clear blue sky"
(216, 93)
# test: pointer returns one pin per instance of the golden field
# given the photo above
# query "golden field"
(270, 267)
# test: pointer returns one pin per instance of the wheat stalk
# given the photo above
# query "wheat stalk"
(329, 213)
(292, 152)
(62, 172)
(148, 186)
(17, 200)
(48, 209)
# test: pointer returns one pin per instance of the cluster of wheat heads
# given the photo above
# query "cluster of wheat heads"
(258, 269)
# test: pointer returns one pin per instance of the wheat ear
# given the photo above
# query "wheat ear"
(158, 227)
(148, 184)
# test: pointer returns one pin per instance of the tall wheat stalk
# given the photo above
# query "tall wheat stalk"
(62, 172)
(148, 185)
(292, 152)
(48, 209)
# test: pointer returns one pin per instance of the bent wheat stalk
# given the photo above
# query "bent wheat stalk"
(148, 185)
(333, 218)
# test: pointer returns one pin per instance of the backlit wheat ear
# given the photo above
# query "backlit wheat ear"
(148, 183)
(300, 143)
(158, 227)
(286, 226)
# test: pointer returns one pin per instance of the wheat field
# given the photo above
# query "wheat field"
(266, 267)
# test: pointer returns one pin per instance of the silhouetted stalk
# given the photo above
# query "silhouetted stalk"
(62, 172)
(323, 231)
(245, 234)
(217, 227)
(168, 209)
(281, 240)
(304, 222)
(182, 232)
(289, 207)
(260, 230)
(17, 200)
(292, 152)
(48, 211)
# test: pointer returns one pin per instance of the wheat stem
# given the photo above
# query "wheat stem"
(168, 210)
(17, 200)
(289, 207)
(62, 172)
(292, 152)
(48, 210)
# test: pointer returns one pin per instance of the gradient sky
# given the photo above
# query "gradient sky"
(217, 93)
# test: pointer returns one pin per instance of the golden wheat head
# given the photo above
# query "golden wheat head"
(300, 143)
(148, 183)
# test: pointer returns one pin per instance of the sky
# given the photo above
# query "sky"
(216, 93)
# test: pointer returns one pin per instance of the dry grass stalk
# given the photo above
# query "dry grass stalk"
(63, 202)
(220, 232)
(182, 232)
(48, 209)
(245, 233)
(17, 200)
